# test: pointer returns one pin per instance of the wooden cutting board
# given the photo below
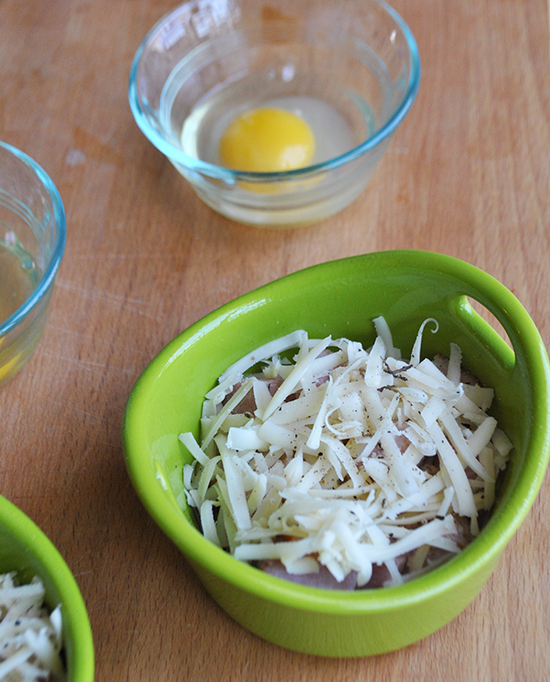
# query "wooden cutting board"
(467, 174)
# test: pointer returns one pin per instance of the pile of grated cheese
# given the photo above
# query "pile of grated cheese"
(30, 636)
(345, 459)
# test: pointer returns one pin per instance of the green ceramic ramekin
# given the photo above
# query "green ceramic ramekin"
(26, 550)
(341, 298)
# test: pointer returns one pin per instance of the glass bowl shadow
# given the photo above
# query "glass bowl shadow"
(203, 63)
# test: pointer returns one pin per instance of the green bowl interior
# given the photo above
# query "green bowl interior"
(341, 298)
(26, 550)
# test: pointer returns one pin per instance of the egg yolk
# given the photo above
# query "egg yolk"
(266, 140)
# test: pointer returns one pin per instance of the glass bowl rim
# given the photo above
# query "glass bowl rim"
(59, 218)
(229, 175)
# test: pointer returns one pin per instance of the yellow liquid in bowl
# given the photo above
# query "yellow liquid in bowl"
(17, 282)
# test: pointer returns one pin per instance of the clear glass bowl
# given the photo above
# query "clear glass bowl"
(351, 68)
(32, 242)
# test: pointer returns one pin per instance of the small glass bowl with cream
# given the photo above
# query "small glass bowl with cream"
(32, 242)
(276, 113)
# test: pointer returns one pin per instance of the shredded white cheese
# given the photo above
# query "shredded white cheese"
(30, 636)
(345, 459)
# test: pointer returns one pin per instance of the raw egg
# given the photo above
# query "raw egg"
(267, 139)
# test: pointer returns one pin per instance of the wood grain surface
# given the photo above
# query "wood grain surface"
(467, 174)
